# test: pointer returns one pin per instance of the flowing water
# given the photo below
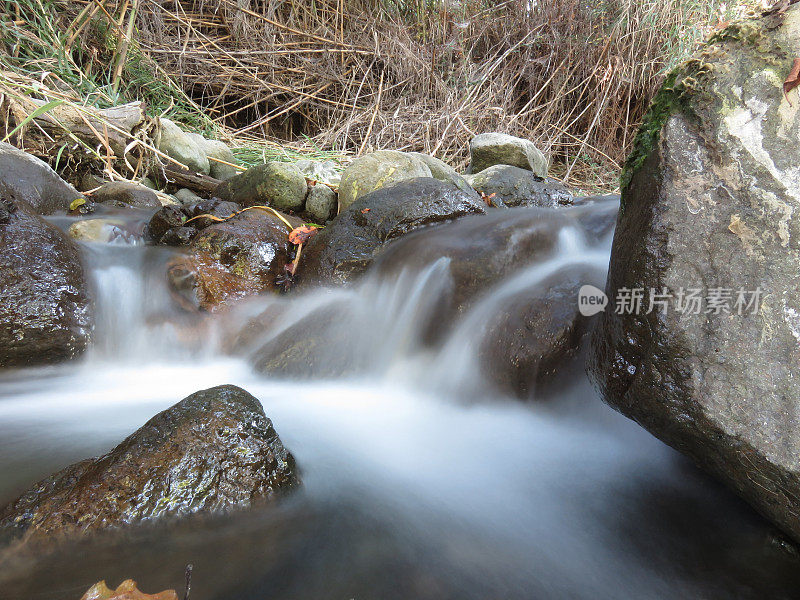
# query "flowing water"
(420, 480)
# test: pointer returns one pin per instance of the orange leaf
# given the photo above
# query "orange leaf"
(488, 198)
(127, 590)
(365, 210)
(300, 235)
(792, 80)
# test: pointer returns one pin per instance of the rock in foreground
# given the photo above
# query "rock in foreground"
(709, 203)
(25, 178)
(45, 309)
(211, 452)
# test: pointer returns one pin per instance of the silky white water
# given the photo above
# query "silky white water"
(420, 480)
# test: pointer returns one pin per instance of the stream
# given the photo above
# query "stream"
(420, 480)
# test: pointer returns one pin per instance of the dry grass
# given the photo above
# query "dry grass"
(347, 76)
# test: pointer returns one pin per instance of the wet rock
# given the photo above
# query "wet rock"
(532, 336)
(709, 199)
(489, 149)
(177, 144)
(321, 203)
(105, 231)
(513, 186)
(442, 171)
(378, 170)
(124, 194)
(214, 451)
(176, 225)
(25, 178)
(345, 248)
(241, 257)
(276, 184)
(45, 309)
(480, 252)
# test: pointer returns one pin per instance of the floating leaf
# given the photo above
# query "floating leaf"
(792, 80)
(127, 590)
(76, 203)
(301, 234)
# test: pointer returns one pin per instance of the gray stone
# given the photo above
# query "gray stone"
(276, 184)
(25, 178)
(177, 144)
(321, 203)
(442, 171)
(489, 149)
(103, 231)
(124, 194)
(215, 149)
(185, 196)
(710, 199)
(377, 170)
(325, 171)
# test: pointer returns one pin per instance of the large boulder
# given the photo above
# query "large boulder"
(345, 248)
(213, 451)
(45, 309)
(489, 149)
(25, 178)
(378, 170)
(506, 186)
(709, 202)
(244, 256)
(277, 184)
(177, 144)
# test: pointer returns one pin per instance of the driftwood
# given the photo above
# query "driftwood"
(196, 182)
(109, 129)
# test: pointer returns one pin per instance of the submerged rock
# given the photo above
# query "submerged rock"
(213, 451)
(489, 149)
(345, 248)
(709, 203)
(25, 178)
(480, 251)
(508, 186)
(45, 309)
(378, 170)
(531, 337)
(105, 231)
(124, 194)
(241, 257)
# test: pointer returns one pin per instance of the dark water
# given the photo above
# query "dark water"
(420, 481)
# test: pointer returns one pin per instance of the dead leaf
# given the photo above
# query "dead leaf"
(792, 80)
(76, 203)
(365, 210)
(489, 199)
(300, 235)
(127, 590)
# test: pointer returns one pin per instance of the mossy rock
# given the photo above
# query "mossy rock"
(378, 170)
(279, 185)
